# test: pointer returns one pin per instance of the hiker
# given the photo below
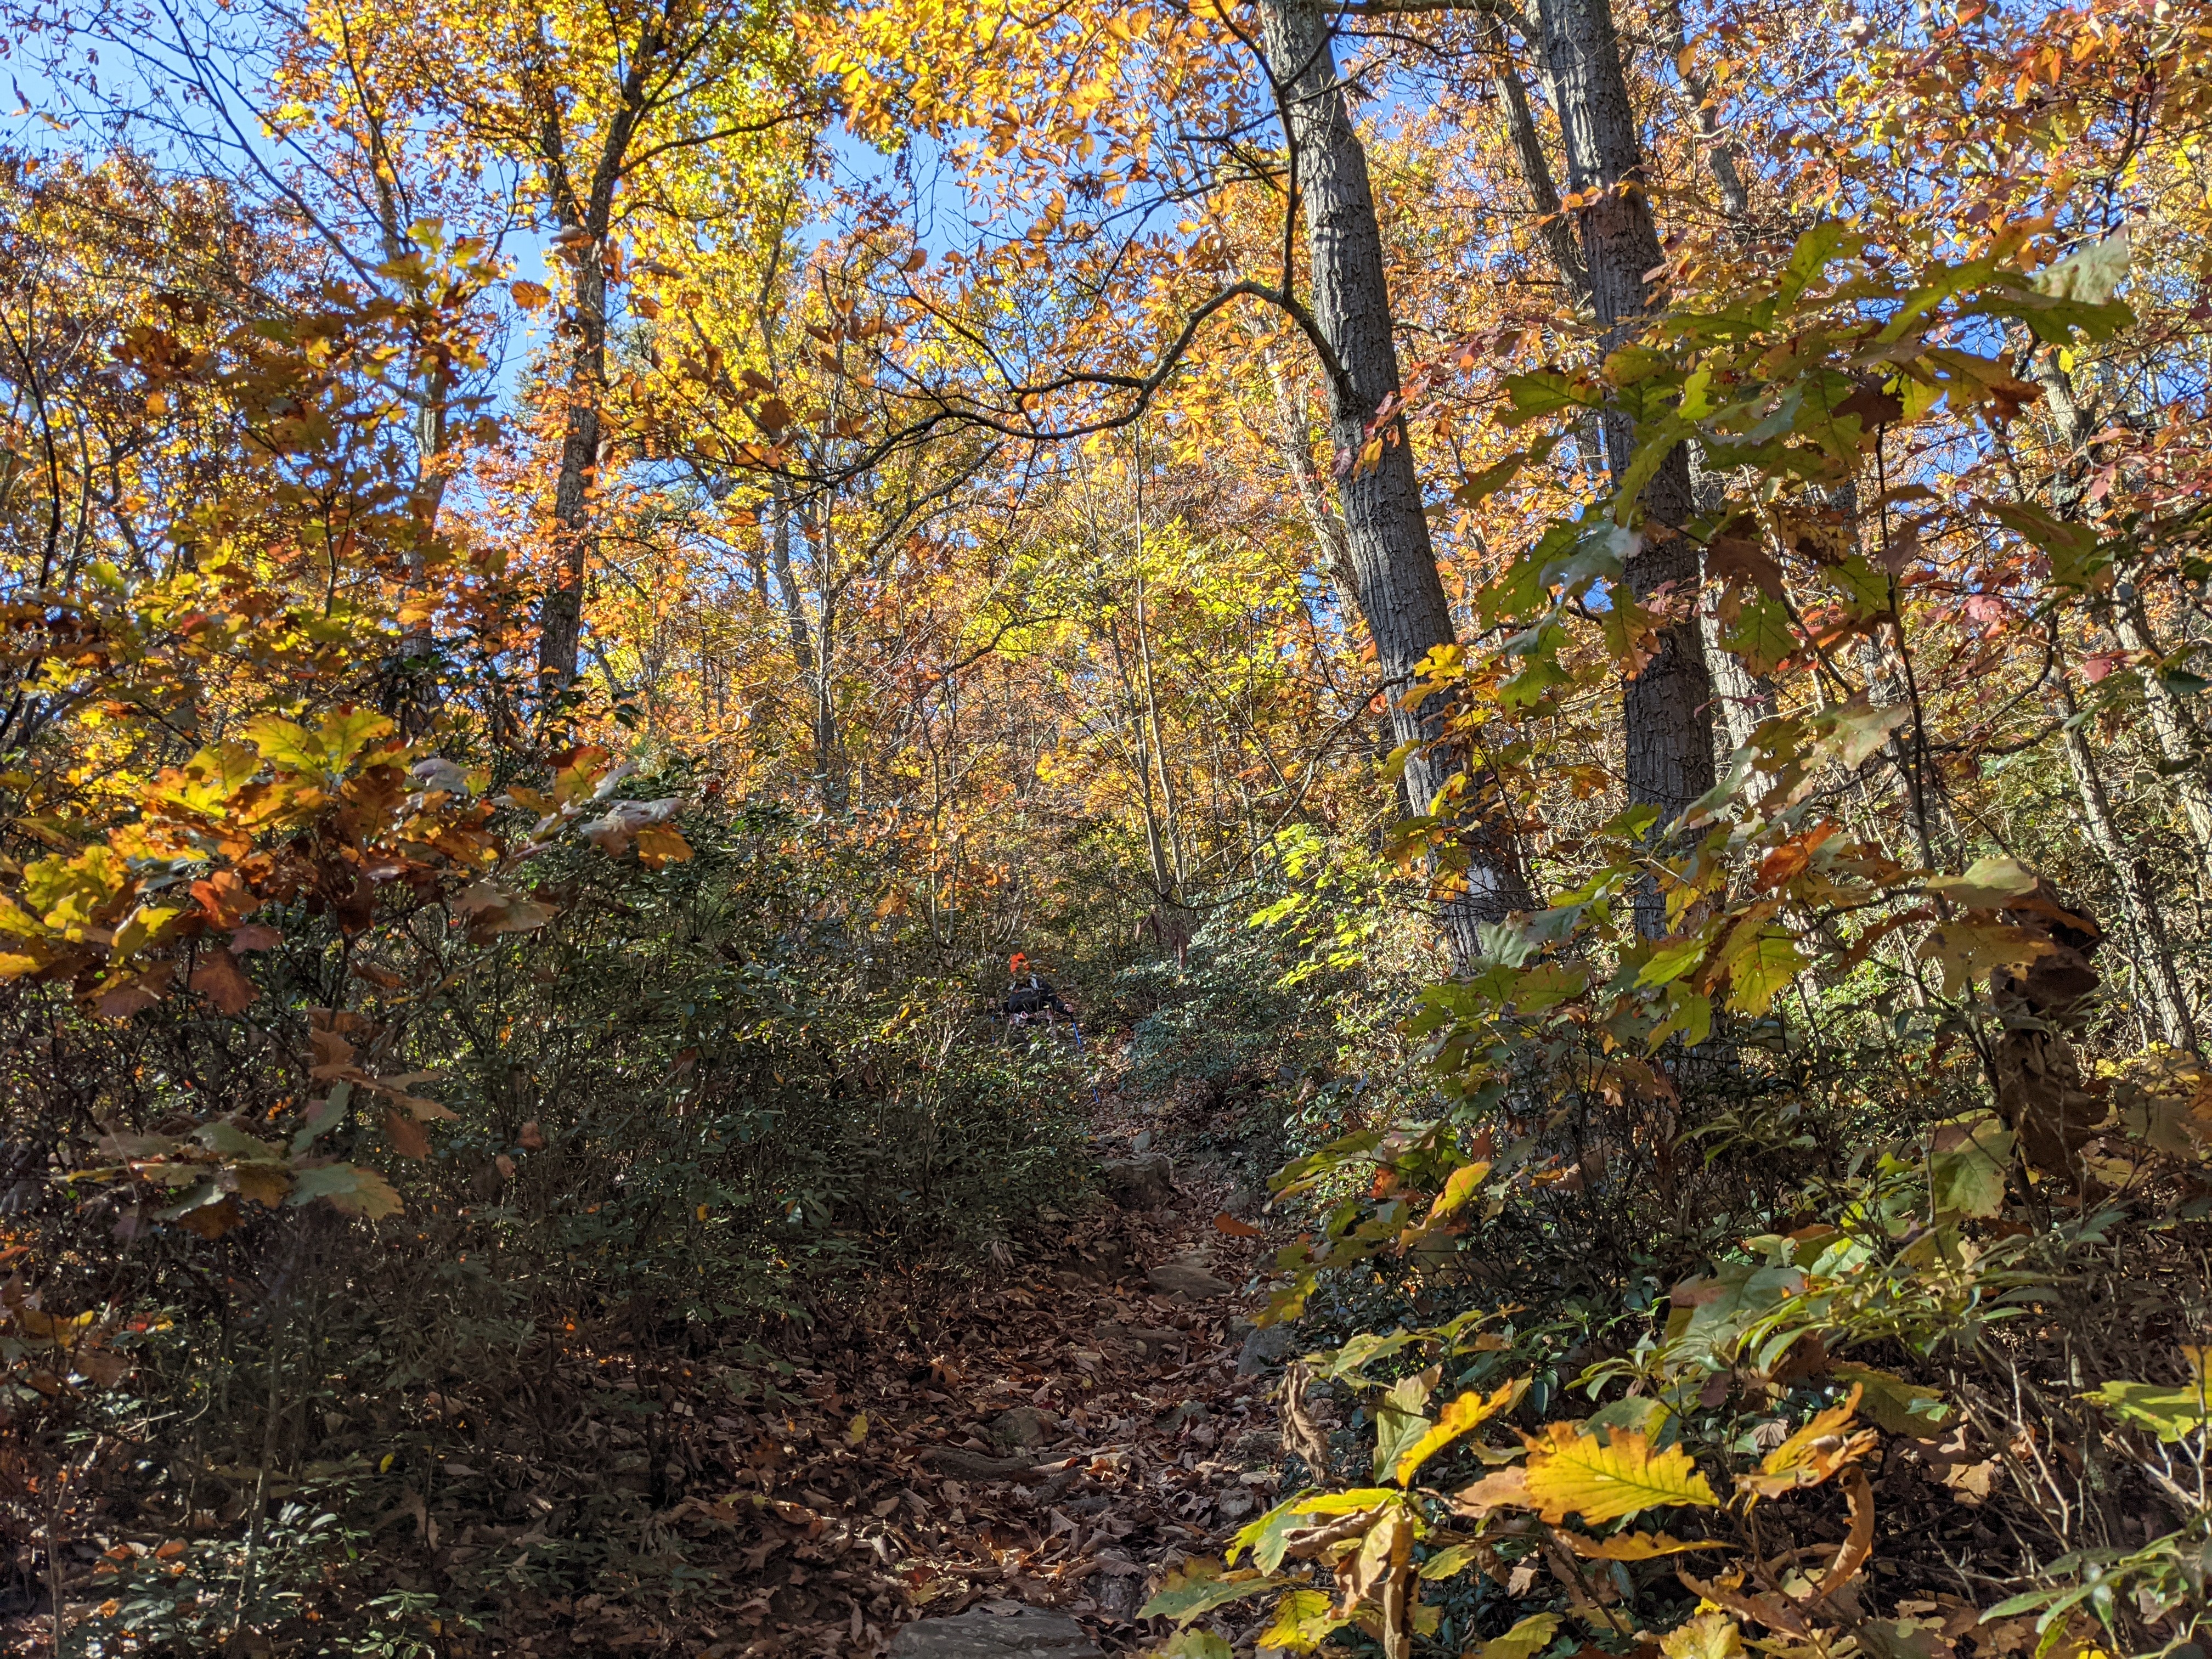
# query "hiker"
(1034, 1001)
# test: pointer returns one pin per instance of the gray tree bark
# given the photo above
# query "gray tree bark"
(1393, 562)
(2172, 725)
(2138, 895)
(1668, 708)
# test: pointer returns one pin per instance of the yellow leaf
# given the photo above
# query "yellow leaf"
(1571, 1471)
(659, 845)
(1458, 1189)
(1470, 1411)
(1633, 1545)
(1708, 1636)
(1813, 1454)
(1531, 1636)
(857, 1430)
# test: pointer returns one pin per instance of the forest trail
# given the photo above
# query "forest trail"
(1057, 1439)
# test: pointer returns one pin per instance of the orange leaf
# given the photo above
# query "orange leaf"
(1229, 1225)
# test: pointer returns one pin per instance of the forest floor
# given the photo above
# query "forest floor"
(1057, 1430)
(887, 1484)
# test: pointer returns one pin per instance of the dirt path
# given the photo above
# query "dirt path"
(1058, 1435)
(1058, 1439)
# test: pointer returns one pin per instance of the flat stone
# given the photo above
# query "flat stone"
(1145, 1181)
(1186, 1279)
(1266, 1346)
(1024, 1426)
(1190, 1410)
(983, 1633)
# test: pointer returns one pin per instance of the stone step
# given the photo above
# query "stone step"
(999, 1631)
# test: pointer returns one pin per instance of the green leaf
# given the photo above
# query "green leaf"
(2077, 292)
(1659, 440)
(1400, 1421)
(1708, 1636)
(322, 1117)
(1198, 1587)
(1689, 1012)
(281, 743)
(225, 1140)
(1987, 884)
(1197, 1644)
(1462, 1416)
(1303, 1620)
(1864, 590)
(1492, 478)
(1812, 254)
(1547, 985)
(1895, 1405)
(347, 1186)
(1449, 1562)
(2092, 276)
(1856, 730)
(1966, 1166)
(1674, 958)
(1268, 1536)
(2076, 560)
(2171, 1411)
(1547, 392)
(345, 734)
(1971, 950)
(1760, 633)
(1760, 972)
(1459, 1187)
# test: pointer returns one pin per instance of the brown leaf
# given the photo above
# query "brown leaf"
(120, 998)
(1506, 1488)
(1873, 406)
(405, 1135)
(220, 979)
(1737, 558)
(266, 1184)
(210, 1220)
(1236, 1229)
(1858, 1546)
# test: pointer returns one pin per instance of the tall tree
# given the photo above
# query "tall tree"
(1667, 707)
(1393, 562)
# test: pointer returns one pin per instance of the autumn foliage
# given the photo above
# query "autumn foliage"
(1580, 630)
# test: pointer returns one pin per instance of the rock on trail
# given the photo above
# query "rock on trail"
(1005, 1631)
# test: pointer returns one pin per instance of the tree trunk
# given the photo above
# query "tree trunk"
(1557, 230)
(2171, 722)
(2169, 1003)
(2179, 743)
(1698, 93)
(1393, 562)
(561, 616)
(1668, 708)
